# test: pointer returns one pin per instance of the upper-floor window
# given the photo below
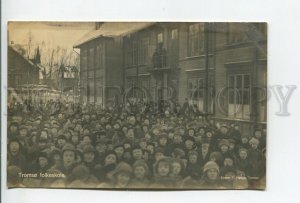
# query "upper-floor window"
(83, 61)
(196, 39)
(143, 50)
(174, 34)
(131, 58)
(91, 57)
(160, 37)
(99, 56)
(237, 33)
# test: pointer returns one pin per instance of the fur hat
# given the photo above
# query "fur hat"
(210, 165)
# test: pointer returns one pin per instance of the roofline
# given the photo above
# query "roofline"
(121, 35)
(30, 62)
(89, 40)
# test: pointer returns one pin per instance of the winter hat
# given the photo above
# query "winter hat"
(210, 165)
(243, 149)
(122, 167)
(142, 163)
(192, 152)
(253, 140)
(61, 137)
(159, 149)
(68, 147)
(55, 151)
(189, 138)
(23, 127)
(43, 154)
(88, 148)
(224, 126)
(216, 155)
(80, 172)
(224, 142)
(179, 152)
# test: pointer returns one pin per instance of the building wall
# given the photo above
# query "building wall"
(245, 57)
(113, 71)
(232, 53)
(100, 65)
(20, 70)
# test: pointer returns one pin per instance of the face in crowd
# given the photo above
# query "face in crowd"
(110, 159)
(176, 168)
(14, 147)
(68, 158)
(122, 179)
(139, 172)
(137, 154)
(163, 168)
(212, 174)
(88, 157)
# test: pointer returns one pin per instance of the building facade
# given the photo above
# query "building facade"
(21, 71)
(219, 67)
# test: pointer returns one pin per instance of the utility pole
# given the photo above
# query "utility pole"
(206, 38)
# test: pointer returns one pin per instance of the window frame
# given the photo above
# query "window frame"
(196, 39)
(236, 103)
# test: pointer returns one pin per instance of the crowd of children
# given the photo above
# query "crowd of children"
(75, 146)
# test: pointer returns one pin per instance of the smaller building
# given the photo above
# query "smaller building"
(69, 81)
(101, 61)
(22, 72)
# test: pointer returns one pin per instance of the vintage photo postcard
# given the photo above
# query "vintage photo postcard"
(137, 105)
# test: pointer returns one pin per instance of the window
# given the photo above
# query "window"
(196, 39)
(174, 34)
(196, 92)
(99, 91)
(83, 61)
(237, 33)
(144, 51)
(134, 53)
(91, 74)
(91, 57)
(145, 84)
(99, 58)
(160, 38)
(239, 96)
(131, 57)
(91, 91)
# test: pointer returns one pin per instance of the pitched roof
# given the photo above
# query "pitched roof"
(27, 60)
(113, 29)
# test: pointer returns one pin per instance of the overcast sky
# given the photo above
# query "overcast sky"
(52, 33)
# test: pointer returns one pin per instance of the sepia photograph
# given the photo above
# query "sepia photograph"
(137, 105)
